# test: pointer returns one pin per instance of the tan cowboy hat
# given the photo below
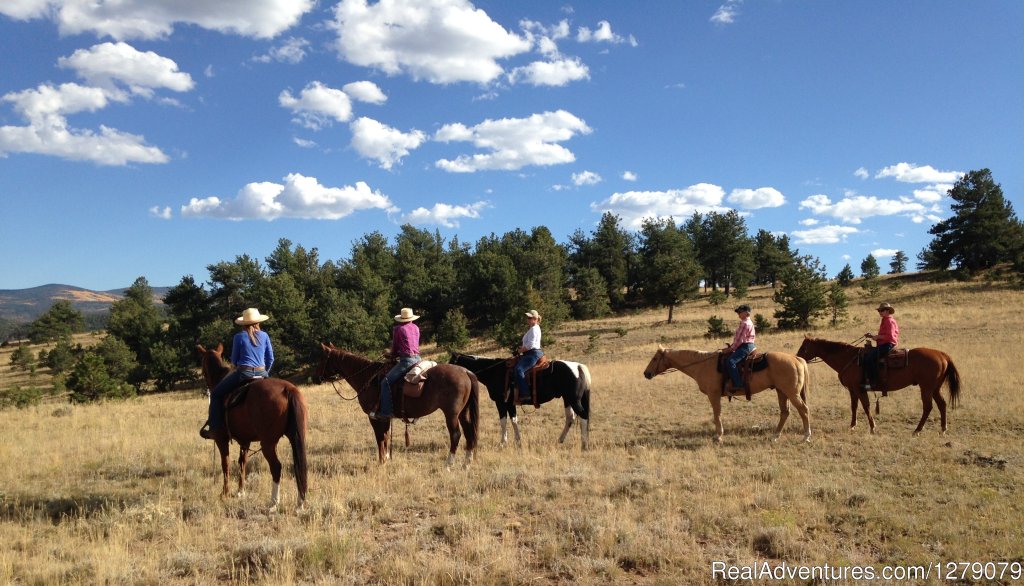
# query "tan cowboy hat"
(406, 315)
(886, 307)
(251, 316)
(533, 313)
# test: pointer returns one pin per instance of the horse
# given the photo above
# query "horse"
(452, 389)
(785, 373)
(272, 408)
(926, 367)
(568, 380)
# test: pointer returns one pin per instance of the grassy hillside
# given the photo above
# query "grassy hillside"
(128, 492)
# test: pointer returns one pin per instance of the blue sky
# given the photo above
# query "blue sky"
(155, 137)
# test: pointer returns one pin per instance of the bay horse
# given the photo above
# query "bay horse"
(568, 380)
(926, 367)
(272, 408)
(452, 389)
(786, 373)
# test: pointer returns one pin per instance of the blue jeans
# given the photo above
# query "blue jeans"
(393, 376)
(871, 358)
(232, 381)
(526, 362)
(733, 360)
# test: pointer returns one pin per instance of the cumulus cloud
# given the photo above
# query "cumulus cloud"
(440, 41)
(384, 144)
(884, 252)
(603, 34)
(586, 178)
(754, 199)
(852, 210)
(910, 173)
(110, 65)
(809, 222)
(861, 173)
(558, 72)
(151, 19)
(164, 213)
(726, 13)
(365, 91)
(634, 206)
(443, 214)
(513, 143)
(317, 105)
(298, 197)
(292, 50)
(828, 234)
(933, 193)
(629, 176)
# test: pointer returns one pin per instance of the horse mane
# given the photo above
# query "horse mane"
(831, 344)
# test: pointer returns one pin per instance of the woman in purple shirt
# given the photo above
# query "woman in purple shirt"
(252, 355)
(405, 346)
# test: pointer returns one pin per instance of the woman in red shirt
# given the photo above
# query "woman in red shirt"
(886, 339)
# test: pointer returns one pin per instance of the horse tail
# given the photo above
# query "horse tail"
(473, 405)
(953, 380)
(805, 390)
(583, 391)
(296, 430)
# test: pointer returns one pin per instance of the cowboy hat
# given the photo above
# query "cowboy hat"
(743, 308)
(534, 314)
(406, 315)
(251, 316)
(886, 307)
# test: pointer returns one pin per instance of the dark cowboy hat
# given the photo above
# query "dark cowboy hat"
(743, 308)
(886, 307)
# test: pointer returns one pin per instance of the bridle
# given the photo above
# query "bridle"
(336, 376)
(664, 351)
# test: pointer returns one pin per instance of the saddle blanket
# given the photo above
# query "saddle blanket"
(417, 373)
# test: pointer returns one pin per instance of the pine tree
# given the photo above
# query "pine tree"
(898, 264)
(845, 276)
(802, 295)
(869, 268)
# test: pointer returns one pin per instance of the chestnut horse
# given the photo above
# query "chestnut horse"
(271, 409)
(452, 389)
(787, 374)
(926, 367)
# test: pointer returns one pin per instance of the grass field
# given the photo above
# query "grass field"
(127, 493)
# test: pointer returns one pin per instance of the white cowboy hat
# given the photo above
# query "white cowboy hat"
(534, 314)
(251, 316)
(406, 315)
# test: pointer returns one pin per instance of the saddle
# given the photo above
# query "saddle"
(531, 378)
(236, 396)
(754, 362)
(412, 385)
(896, 358)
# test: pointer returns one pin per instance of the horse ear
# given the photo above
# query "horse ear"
(661, 348)
(200, 349)
(331, 344)
(220, 348)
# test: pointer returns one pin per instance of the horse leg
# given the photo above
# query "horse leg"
(569, 418)
(926, 408)
(783, 414)
(716, 412)
(466, 422)
(269, 449)
(942, 407)
(380, 432)
(805, 413)
(454, 435)
(853, 409)
(866, 403)
(243, 458)
(503, 420)
(223, 446)
(515, 423)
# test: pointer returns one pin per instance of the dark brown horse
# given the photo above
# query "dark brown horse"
(271, 409)
(926, 367)
(452, 389)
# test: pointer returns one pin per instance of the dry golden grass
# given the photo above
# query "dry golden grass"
(128, 493)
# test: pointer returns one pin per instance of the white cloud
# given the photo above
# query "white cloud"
(513, 143)
(861, 173)
(586, 178)
(107, 65)
(384, 144)
(726, 13)
(441, 41)
(634, 206)
(884, 252)
(443, 214)
(292, 51)
(299, 197)
(629, 176)
(603, 34)
(932, 193)
(163, 213)
(910, 173)
(852, 210)
(824, 235)
(365, 91)
(809, 222)
(151, 19)
(558, 72)
(317, 105)
(754, 199)
(304, 143)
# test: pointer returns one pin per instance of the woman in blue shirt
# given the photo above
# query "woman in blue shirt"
(252, 354)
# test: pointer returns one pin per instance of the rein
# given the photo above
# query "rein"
(677, 369)
(335, 376)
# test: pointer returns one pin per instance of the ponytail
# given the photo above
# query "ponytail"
(251, 329)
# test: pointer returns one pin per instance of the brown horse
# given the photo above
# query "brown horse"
(271, 409)
(452, 389)
(787, 374)
(926, 367)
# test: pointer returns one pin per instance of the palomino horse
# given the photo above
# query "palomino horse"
(568, 380)
(272, 408)
(926, 367)
(787, 374)
(452, 389)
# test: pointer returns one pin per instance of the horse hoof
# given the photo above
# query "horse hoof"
(807, 439)
(717, 439)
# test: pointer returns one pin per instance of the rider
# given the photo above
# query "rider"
(741, 347)
(530, 353)
(405, 346)
(886, 339)
(252, 354)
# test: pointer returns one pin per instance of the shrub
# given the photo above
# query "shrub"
(716, 328)
(761, 323)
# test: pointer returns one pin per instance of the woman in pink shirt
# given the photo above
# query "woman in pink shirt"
(741, 347)
(886, 339)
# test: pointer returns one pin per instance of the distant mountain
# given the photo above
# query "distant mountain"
(25, 305)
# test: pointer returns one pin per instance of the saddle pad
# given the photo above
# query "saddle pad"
(417, 373)
(897, 359)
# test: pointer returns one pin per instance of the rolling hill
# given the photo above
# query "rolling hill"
(25, 305)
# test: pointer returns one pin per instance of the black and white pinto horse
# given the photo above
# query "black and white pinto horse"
(568, 380)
